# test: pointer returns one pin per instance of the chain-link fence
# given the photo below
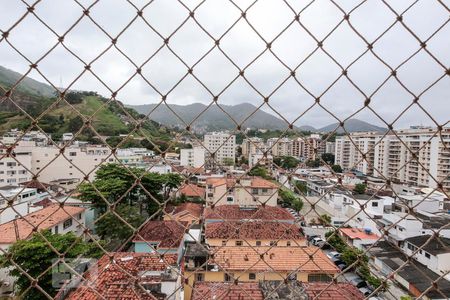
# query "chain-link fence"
(101, 200)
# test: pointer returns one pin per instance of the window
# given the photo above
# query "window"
(411, 247)
(199, 277)
(252, 276)
(56, 229)
(374, 204)
(79, 217)
(319, 278)
(288, 243)
(255, 191)
(11, 164)
(238, 243)
(230, 200)
(224, 243)
(265, 190)
(67, 224)
(72, 154)
(273, 243)
(258, 243)
(427, 255)
(228, 277)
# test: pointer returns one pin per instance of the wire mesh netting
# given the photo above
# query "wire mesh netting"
(224, 199)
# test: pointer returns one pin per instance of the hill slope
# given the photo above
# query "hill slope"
(26, 86)
(213, 118)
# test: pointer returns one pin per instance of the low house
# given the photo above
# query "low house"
(260, 263)
(128, 276)
(185, 212)
(433, 252)
(160, 236)
(55, 218)
(253, 233)
(358, 237)
(225, 213)
(192, 192)
(245, 192)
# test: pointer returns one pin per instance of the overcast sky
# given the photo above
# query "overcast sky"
(242, 45)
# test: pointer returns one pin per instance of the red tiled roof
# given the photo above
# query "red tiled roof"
(275, 259)
(234, 212)
(168, 234)
(253, 230)
(118, 278)
(45, 218)
(226, 291)
(195, 209)
(192, 190)
(44, 202)
(335, 291)
(358, 233)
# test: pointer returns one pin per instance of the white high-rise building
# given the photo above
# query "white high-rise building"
(222, 145)
(356, 151)
(394, 157)
(252, 146)
(14, 168)
(194, 157)
(330, 147)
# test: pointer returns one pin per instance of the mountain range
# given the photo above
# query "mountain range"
(213, 118)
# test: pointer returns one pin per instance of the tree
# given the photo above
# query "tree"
(360, 188)
(328, 158)
(259, 171)
(74, 97)
(336, 168)
(111, 227)
(297, 204)
(313, 163)
(227, 161)
(286, 162)
(35, 257)
(325, 219)
(300, 187)
(335, 241)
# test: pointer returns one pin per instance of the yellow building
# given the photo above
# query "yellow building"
(252, 264)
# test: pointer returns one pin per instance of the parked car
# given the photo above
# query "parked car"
(311, 237)
(342, 266)
(317, 240)
(365, 291)
(358, 282)
(334, 254)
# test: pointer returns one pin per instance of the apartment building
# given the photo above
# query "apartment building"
(330, 147)
(280, 146)
(194, 157)
(16, 202)
(247, 192)
(221, 147)
(394, 157)
(67, 169)
(14, 167)
(356, 151)
(252, 146)
(308, 148)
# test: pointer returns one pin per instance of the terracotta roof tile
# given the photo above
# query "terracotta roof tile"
(195, 209)
(276, 259)
(226, 291)
(358, 233)
(43, 219)
(192, 190)
(253, 230)
(119, 278)
(336, 291)
(168, 234)
(234, 212)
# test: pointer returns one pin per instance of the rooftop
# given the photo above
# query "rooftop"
(122, 276)
(46, 218)
(235, 212)
(227, 291)
(334, 291)
(358, 233)
(273, 259)
(251, 182)
(168, 234)
(253, 230)
(436, 245)
(289, 290)
(192, 190)
(194, 209)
